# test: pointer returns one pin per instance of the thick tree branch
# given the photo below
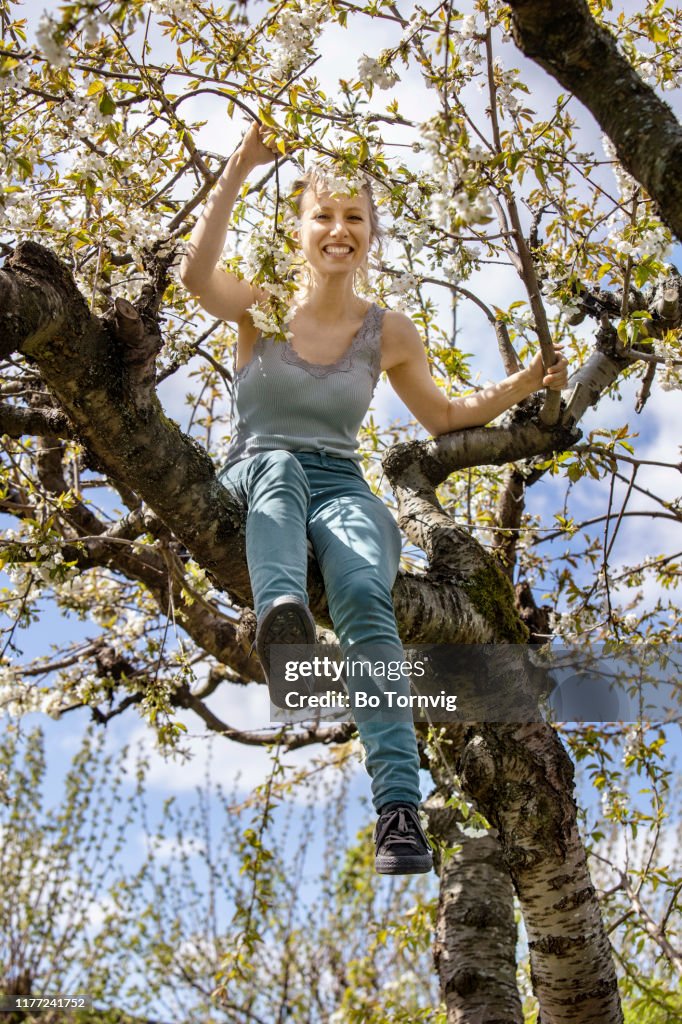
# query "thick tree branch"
(563, 37)
(17, 420)
(509, 513)
(43, 315)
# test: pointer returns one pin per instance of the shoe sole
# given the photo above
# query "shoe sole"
(404, 865)
(285, 624)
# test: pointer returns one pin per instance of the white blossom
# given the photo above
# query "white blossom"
(267, 325)
(626, 184)
(335, 182)
(507, 83)
(477, 154)
(295, 35)
(15, 77)
(372, 72)
(51, 703)
(404, 288)
(413, 195)
(469, 29)
(134, 624)
(180, 9)
(55, 53)
(417, 20)
(670, 377)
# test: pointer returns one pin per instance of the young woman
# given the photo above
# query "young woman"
(294, 464)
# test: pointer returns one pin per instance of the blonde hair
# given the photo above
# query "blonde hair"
(315, 180)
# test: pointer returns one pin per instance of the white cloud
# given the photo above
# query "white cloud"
(171, 847)
(233, 764)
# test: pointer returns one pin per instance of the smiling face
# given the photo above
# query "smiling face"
(335, 232)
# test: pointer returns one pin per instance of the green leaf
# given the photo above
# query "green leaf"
(266, 117)
(106, 104)
(25, 165)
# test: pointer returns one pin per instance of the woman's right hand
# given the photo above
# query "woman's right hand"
(254, 150)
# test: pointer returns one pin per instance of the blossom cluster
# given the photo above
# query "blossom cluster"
(462, 207)
(44, 558)
(667, 74)
(643, 240)
(507, 86)
(49, 34)
(376, 72)
(634, 233)
(670, 371)
(627, 185)
(47, 38)
(418, 19)
(457, 197)
(402, 288)
(14, 77)
(180, 9)
(557, 294)
(614, 801)
(334, 180)
(295, 35)
(17, 697)
(267, 262)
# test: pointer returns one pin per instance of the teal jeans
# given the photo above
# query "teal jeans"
(295, 496)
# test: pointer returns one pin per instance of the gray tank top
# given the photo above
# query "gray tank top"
(282, 401)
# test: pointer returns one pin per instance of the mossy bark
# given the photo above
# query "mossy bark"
(492, 595)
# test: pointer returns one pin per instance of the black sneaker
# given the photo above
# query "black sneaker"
(401, 846)
(286, 620)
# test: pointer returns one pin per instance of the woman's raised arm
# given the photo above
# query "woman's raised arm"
(220, 293)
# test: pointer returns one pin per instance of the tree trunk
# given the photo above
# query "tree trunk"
(522, 780)
(475, 913)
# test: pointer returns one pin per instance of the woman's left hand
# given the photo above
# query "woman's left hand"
(556, 377)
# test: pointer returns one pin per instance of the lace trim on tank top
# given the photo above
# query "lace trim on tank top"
(369, 331)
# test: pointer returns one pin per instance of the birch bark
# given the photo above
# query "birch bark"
(475, 913)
